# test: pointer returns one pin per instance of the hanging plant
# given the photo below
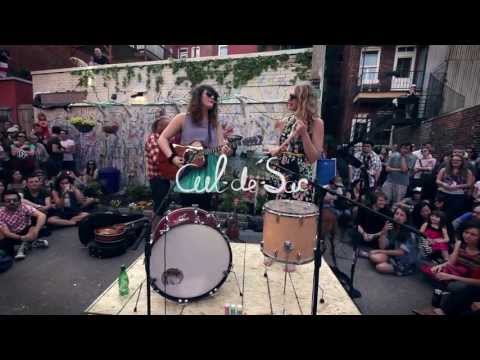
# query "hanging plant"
(83, 124)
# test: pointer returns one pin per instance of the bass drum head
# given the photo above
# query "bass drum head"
(189, 262)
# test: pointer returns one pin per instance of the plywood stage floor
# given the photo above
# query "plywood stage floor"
(256, 299)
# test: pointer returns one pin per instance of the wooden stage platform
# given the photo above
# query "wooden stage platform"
(256, 298)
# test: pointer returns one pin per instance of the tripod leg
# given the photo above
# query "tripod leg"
(352, 291)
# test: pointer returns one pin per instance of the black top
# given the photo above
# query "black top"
(370, 222)
(54, 156)
(39, 199)
(102, 60)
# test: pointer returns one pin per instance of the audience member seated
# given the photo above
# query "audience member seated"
(397, 253)
(435, 230)
(90, 174)
(369, 225)
(37, 196)
(68, 202)
(17, 182)
(15, 220)
(460, 276)
(421, 213)
(468, 216)
(439, 203)
(411, 202)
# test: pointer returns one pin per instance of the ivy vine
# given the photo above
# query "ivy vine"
(195, 72)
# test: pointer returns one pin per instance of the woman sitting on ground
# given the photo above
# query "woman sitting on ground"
(91, 173)
(68, 201)
(17, 182)
(460, 276)
(421, 213)
(397, 253)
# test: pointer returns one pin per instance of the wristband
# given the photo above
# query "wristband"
(170, 158)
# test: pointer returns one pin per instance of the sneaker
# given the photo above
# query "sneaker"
(21, 252)
(40, 244)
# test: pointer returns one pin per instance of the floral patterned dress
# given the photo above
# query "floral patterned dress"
(295, 160)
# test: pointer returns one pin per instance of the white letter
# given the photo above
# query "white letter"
(273, 189)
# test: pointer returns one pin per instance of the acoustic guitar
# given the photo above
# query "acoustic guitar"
(195, 153)
(115, 233)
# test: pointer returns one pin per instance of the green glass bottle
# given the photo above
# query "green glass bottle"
(123, 281)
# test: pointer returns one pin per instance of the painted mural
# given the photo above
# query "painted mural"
(125, 149)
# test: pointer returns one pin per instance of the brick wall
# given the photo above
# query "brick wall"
(268, 93)
(349, 78)
(457, 128)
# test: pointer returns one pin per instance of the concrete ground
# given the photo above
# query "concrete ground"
(65, 280)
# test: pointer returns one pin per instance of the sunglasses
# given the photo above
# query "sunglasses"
(212, 95)
(292, 97)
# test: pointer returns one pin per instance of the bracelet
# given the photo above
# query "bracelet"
(170, 158)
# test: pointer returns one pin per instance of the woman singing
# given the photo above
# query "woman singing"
(301, 140)
(199, 124)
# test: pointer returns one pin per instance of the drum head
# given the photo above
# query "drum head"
(291, 207)
(189, 262)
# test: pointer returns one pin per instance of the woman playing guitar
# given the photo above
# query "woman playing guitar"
(199, 126)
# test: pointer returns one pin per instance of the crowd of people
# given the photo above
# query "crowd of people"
(40, 186)
(438, 197)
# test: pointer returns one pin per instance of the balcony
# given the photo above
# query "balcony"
(154, 52)
(386, 82)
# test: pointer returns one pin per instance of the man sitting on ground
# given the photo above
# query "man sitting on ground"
(36, 196)
(467, 217)
(15, 225)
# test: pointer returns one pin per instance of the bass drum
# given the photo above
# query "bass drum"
(190, 257)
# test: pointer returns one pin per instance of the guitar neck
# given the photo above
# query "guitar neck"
(245, 142)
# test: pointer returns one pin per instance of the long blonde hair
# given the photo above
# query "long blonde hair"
(307, 108)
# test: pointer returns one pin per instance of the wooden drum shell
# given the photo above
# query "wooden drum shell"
(300, 230)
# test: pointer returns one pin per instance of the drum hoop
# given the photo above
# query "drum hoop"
(199, 297)
(274, 212)
(171, 226)
(305, 261)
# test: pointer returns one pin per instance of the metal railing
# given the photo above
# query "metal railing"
(383, 81)
(157, 51)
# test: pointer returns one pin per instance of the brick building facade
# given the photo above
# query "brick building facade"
(460, 127)
(190, 51)
(367, 85)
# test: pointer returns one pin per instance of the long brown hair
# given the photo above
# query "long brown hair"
(195, 106)
(463, 170)
(307, 108)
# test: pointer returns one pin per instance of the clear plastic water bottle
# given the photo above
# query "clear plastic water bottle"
(123, 281)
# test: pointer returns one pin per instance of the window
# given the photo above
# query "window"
(360, 127)
(404, 67)
(182, 53)
(222, 50)
(369, 65)
(196, 51)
